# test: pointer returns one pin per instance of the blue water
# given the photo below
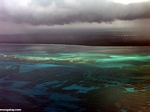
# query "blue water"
(63, 78)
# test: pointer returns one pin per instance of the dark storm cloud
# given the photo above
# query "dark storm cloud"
(59, 12)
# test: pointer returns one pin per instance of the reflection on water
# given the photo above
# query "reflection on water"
(63, 78)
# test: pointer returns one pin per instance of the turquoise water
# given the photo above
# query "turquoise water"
(64, 78)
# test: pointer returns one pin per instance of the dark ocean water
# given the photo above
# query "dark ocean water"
(65, 78)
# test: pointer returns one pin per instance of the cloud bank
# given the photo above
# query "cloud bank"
(60, 12)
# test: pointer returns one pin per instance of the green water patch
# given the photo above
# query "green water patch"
(96, 59)
(80, 89)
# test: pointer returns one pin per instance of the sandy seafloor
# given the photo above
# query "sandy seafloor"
(67, 78)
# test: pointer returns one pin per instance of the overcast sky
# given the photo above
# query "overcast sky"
(25, 16)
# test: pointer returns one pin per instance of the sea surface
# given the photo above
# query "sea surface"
(72, 78)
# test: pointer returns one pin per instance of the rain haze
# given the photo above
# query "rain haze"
(92, 22)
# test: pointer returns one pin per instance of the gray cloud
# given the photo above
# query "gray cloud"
(54, 12)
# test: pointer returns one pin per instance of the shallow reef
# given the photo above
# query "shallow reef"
(83, 80)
